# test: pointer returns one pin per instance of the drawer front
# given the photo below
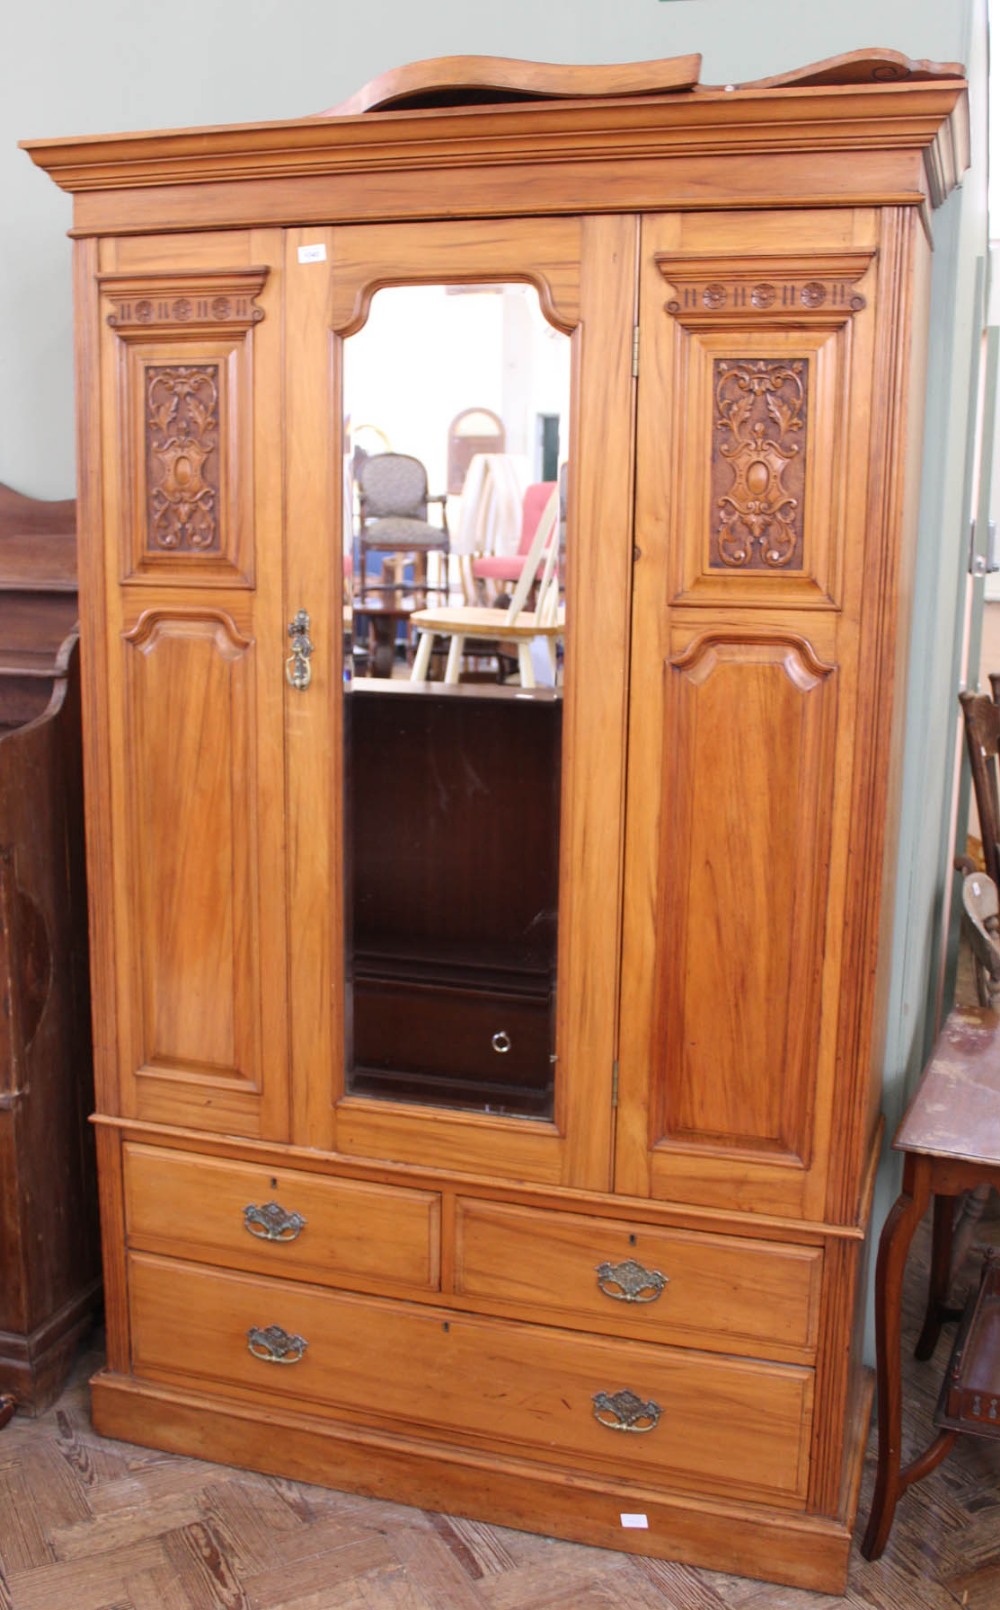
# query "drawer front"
(281, 1221)
(721, 1424)
(498, 1038)
(725, 1293)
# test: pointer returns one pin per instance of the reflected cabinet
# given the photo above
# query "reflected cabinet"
(491, 862)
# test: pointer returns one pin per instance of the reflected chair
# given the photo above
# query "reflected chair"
(514, 624)
(392, 508)
(502, 569)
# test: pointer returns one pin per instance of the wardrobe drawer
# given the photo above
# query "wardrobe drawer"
(472, 1039)
(722, 1424)
(726, 1293)
(281, 1221)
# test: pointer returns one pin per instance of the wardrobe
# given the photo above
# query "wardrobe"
(606, 1289)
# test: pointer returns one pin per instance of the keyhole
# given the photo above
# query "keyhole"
(631, 1240)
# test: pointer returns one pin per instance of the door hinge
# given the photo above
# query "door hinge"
(614, 1084)
(635, 352)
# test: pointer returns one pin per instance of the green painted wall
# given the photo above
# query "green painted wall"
(111, 65)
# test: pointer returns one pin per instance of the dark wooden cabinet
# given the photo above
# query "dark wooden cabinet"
(49, 1249)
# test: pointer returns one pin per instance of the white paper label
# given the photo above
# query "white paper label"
(639, 1522)
(312, 254)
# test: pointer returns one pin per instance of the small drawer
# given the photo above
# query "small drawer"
(724, 1425)
(281, 1221)
(727, 1293)
(491, 1041)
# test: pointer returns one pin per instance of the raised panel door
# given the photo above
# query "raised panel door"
(196, 649)
(754, 387)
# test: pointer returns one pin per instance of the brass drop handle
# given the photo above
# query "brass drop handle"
(274, 1345)
(297, 667)
(272, 1222)
(629, 1282)
(623, 1411)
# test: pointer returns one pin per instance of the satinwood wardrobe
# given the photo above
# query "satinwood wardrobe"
(609, 1292)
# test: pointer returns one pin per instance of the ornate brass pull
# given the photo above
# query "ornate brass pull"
(297, 667)
(272, 1223)
(275, 1346)
(629, 1282)
(623, 1411)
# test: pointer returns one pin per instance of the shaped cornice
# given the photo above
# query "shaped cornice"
(919, 108)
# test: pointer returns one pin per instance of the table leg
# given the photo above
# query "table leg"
(940, 1277)
(894, 1245)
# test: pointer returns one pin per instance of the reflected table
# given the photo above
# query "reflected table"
(950, 1138)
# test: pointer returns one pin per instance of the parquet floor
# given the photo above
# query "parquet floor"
(87, 1524)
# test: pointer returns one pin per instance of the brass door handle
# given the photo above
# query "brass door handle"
(272, 1222)
(274, 1345)
(297, 667)
(629, 1282)
(623, 1411)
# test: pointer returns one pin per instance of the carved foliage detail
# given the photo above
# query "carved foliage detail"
(182, 458)
(758, 463)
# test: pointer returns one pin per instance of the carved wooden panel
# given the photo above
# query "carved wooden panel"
(757, 356)
(192, 846)
(758, 463)
(184, 352)
(747, 797)
(182, 458)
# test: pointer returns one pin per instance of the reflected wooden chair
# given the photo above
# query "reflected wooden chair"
(502, 570)
(514, 625)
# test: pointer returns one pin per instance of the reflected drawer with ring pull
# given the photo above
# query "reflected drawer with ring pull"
(306, 1226)
(726, 1425)
(725, 1293)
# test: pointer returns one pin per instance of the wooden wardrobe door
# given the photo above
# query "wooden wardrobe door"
(754, 442)
(193, 813)
(584, 271)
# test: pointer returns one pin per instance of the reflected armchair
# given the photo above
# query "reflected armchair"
(392, 505)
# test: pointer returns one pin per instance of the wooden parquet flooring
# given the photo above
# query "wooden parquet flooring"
(87, 1524)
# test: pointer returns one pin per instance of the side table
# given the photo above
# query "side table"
(950, 1138)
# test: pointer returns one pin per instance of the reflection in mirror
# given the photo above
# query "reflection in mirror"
(456, 403)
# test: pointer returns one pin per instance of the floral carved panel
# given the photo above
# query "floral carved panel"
(758, 463)
(182, 458)
(182, 344)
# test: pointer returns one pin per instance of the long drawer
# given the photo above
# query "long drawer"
(281, 1221)
(719, 1424)
(727, 1293)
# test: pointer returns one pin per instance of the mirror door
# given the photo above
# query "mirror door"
(457, 818)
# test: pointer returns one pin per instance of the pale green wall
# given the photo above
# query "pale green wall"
(114, 64)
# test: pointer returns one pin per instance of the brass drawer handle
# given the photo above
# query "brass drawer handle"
(272, 1223)
(623, 1411)
(629, 1282)
(274, 1345)
(501, 1042)
(297, 667)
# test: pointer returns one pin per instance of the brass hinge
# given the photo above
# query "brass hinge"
(614, 1084)
(635, 352)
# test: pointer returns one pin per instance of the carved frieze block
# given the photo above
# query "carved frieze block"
(774, 289)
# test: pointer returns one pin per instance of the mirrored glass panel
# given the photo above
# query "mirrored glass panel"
(456, 428)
